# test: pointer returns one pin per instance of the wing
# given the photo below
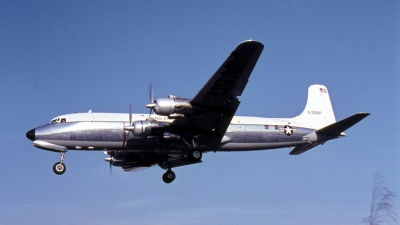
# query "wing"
(231, 78)
(135, 161)
(216, 103)
(213, 109)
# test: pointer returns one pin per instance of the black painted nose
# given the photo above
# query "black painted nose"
(31, 135)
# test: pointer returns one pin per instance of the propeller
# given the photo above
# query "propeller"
(109, 159)
(130, 115)
(110, 167)
(151, 105)
(151, 92)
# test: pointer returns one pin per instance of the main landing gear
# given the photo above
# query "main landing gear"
(193, 156)
(168, 176)
(59, 167)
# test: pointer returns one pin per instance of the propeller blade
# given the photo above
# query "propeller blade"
(151, 106)
(109, 159)
(130, 115)
(110, 168)
(151, 92)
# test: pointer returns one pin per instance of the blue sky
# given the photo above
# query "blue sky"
(59, 57)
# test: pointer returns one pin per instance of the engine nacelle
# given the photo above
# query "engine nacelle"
(172, 106)
(115, 162)
(145, 129)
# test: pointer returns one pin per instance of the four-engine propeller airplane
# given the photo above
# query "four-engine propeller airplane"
(183, 129)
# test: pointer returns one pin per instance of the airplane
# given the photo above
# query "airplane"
(181, 129)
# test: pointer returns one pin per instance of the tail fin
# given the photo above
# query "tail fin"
(318, 112)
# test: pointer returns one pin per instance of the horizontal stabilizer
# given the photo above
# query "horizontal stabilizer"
(342, 125)
(303, 148)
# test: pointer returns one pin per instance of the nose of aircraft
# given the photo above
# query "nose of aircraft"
(31, 135)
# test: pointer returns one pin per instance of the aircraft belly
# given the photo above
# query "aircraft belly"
(258, 146)
(262, 139)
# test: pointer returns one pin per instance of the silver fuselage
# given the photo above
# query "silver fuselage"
(112, 135)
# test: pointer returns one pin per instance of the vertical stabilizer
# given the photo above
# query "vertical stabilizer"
(318, 111)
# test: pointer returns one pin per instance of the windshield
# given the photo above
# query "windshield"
(58, 120)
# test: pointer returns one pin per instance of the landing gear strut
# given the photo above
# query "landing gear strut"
(59, 167)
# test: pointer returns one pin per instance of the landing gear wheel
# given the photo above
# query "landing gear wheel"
(59, 168)
(195, 155)
(168, 176)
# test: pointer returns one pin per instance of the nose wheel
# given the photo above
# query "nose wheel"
(59, 167)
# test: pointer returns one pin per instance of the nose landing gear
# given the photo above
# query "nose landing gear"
(59, 167)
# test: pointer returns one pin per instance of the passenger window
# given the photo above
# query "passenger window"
(276, 127)
(266, 127)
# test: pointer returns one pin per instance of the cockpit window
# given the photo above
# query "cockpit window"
(59, 120)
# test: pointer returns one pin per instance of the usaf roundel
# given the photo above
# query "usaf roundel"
(288, 130)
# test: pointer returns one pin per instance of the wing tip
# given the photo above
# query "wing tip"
(251, 41)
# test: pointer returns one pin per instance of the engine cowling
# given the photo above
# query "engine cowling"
(151, 129)
(172, 107)
(144, 128)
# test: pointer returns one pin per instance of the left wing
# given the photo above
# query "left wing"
(231, 78)
(213, 109)
(216, 103)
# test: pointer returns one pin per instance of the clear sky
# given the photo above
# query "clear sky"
(59, 57)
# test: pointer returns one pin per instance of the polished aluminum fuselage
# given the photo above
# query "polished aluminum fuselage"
(112, 135)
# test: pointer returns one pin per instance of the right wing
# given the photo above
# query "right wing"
(134, 161)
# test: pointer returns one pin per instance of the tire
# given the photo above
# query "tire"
(195, 156)
(168, 176)
(59, 168)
